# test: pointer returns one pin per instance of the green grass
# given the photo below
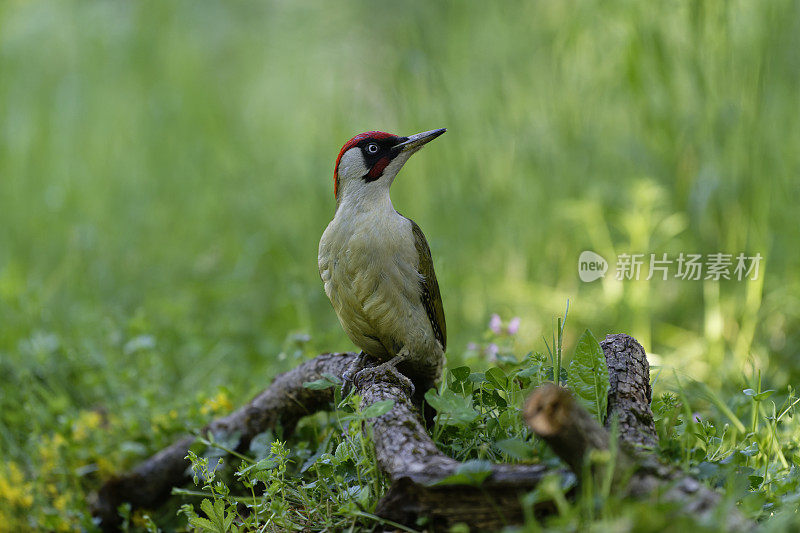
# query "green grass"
(165, 175)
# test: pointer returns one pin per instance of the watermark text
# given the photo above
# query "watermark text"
(685, 266)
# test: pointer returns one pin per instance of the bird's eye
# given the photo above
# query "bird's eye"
(372, 148)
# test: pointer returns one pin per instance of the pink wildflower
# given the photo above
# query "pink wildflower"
(491, 352)
(513, 326)
(495, 324)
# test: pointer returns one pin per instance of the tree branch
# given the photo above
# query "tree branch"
(407, 454)
(573, 434)
(629, 395)
(413, 463)
(282, 404)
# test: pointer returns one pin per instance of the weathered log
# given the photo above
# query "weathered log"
(573, 433)
(566, 427)
(282, 404)
(403, 449)
(407, 454)
(629, 394)
(570, 431)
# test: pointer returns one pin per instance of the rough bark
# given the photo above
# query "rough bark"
(404, 451)
(566, 427)
(573, 434)
(407, 454)
(629, 395)
(409, 457)
(282, 404)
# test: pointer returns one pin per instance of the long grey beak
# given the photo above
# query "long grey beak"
(415, 142)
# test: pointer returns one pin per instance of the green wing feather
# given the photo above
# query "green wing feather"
(431, 298)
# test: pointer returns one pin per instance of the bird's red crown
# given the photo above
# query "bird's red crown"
(377, 135)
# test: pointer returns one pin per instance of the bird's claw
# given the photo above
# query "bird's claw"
(353, 369)
(389, 368)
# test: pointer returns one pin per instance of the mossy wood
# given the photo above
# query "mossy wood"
(413, 463)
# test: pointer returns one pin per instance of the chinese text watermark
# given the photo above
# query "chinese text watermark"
(684, 266)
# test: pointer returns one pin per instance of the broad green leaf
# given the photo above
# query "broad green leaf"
(497, 377)
(219, 509)
(588, 376)
(202, 523)
(205, 505)
(214, 514)
(342, 452)
(530, 371)
(469, 473)
(758, 396)
(460, 373)
(751, 450)
(477, 377)
(318, 454)
(377, 409)
(324, 382)
(516, 448)
(259, 446)
(763, 395)
(453, 410)
(499, 401)
(268, 463)
(489, 398)
(226, 526)
(752, 504)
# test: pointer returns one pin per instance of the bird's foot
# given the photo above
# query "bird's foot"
(388, 369)
(357, 365)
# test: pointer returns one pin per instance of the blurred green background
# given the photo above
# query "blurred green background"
(166, 173)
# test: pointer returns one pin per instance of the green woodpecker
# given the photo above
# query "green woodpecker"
(376, 264)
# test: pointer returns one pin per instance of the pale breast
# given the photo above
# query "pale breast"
(368, 264)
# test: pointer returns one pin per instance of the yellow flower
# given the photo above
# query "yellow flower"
(163, 420)
(87, 421)
(61, 502)
(14, 473)
(64, 526)
(218, 404)
(92, 419)
(27, 500)
(8, 492)
(13, 488)
(49, 451)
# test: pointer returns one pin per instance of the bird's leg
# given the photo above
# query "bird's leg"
(357, 365)
(390, 368)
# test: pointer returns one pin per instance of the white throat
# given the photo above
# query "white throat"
(357, 193)
(369, 198)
